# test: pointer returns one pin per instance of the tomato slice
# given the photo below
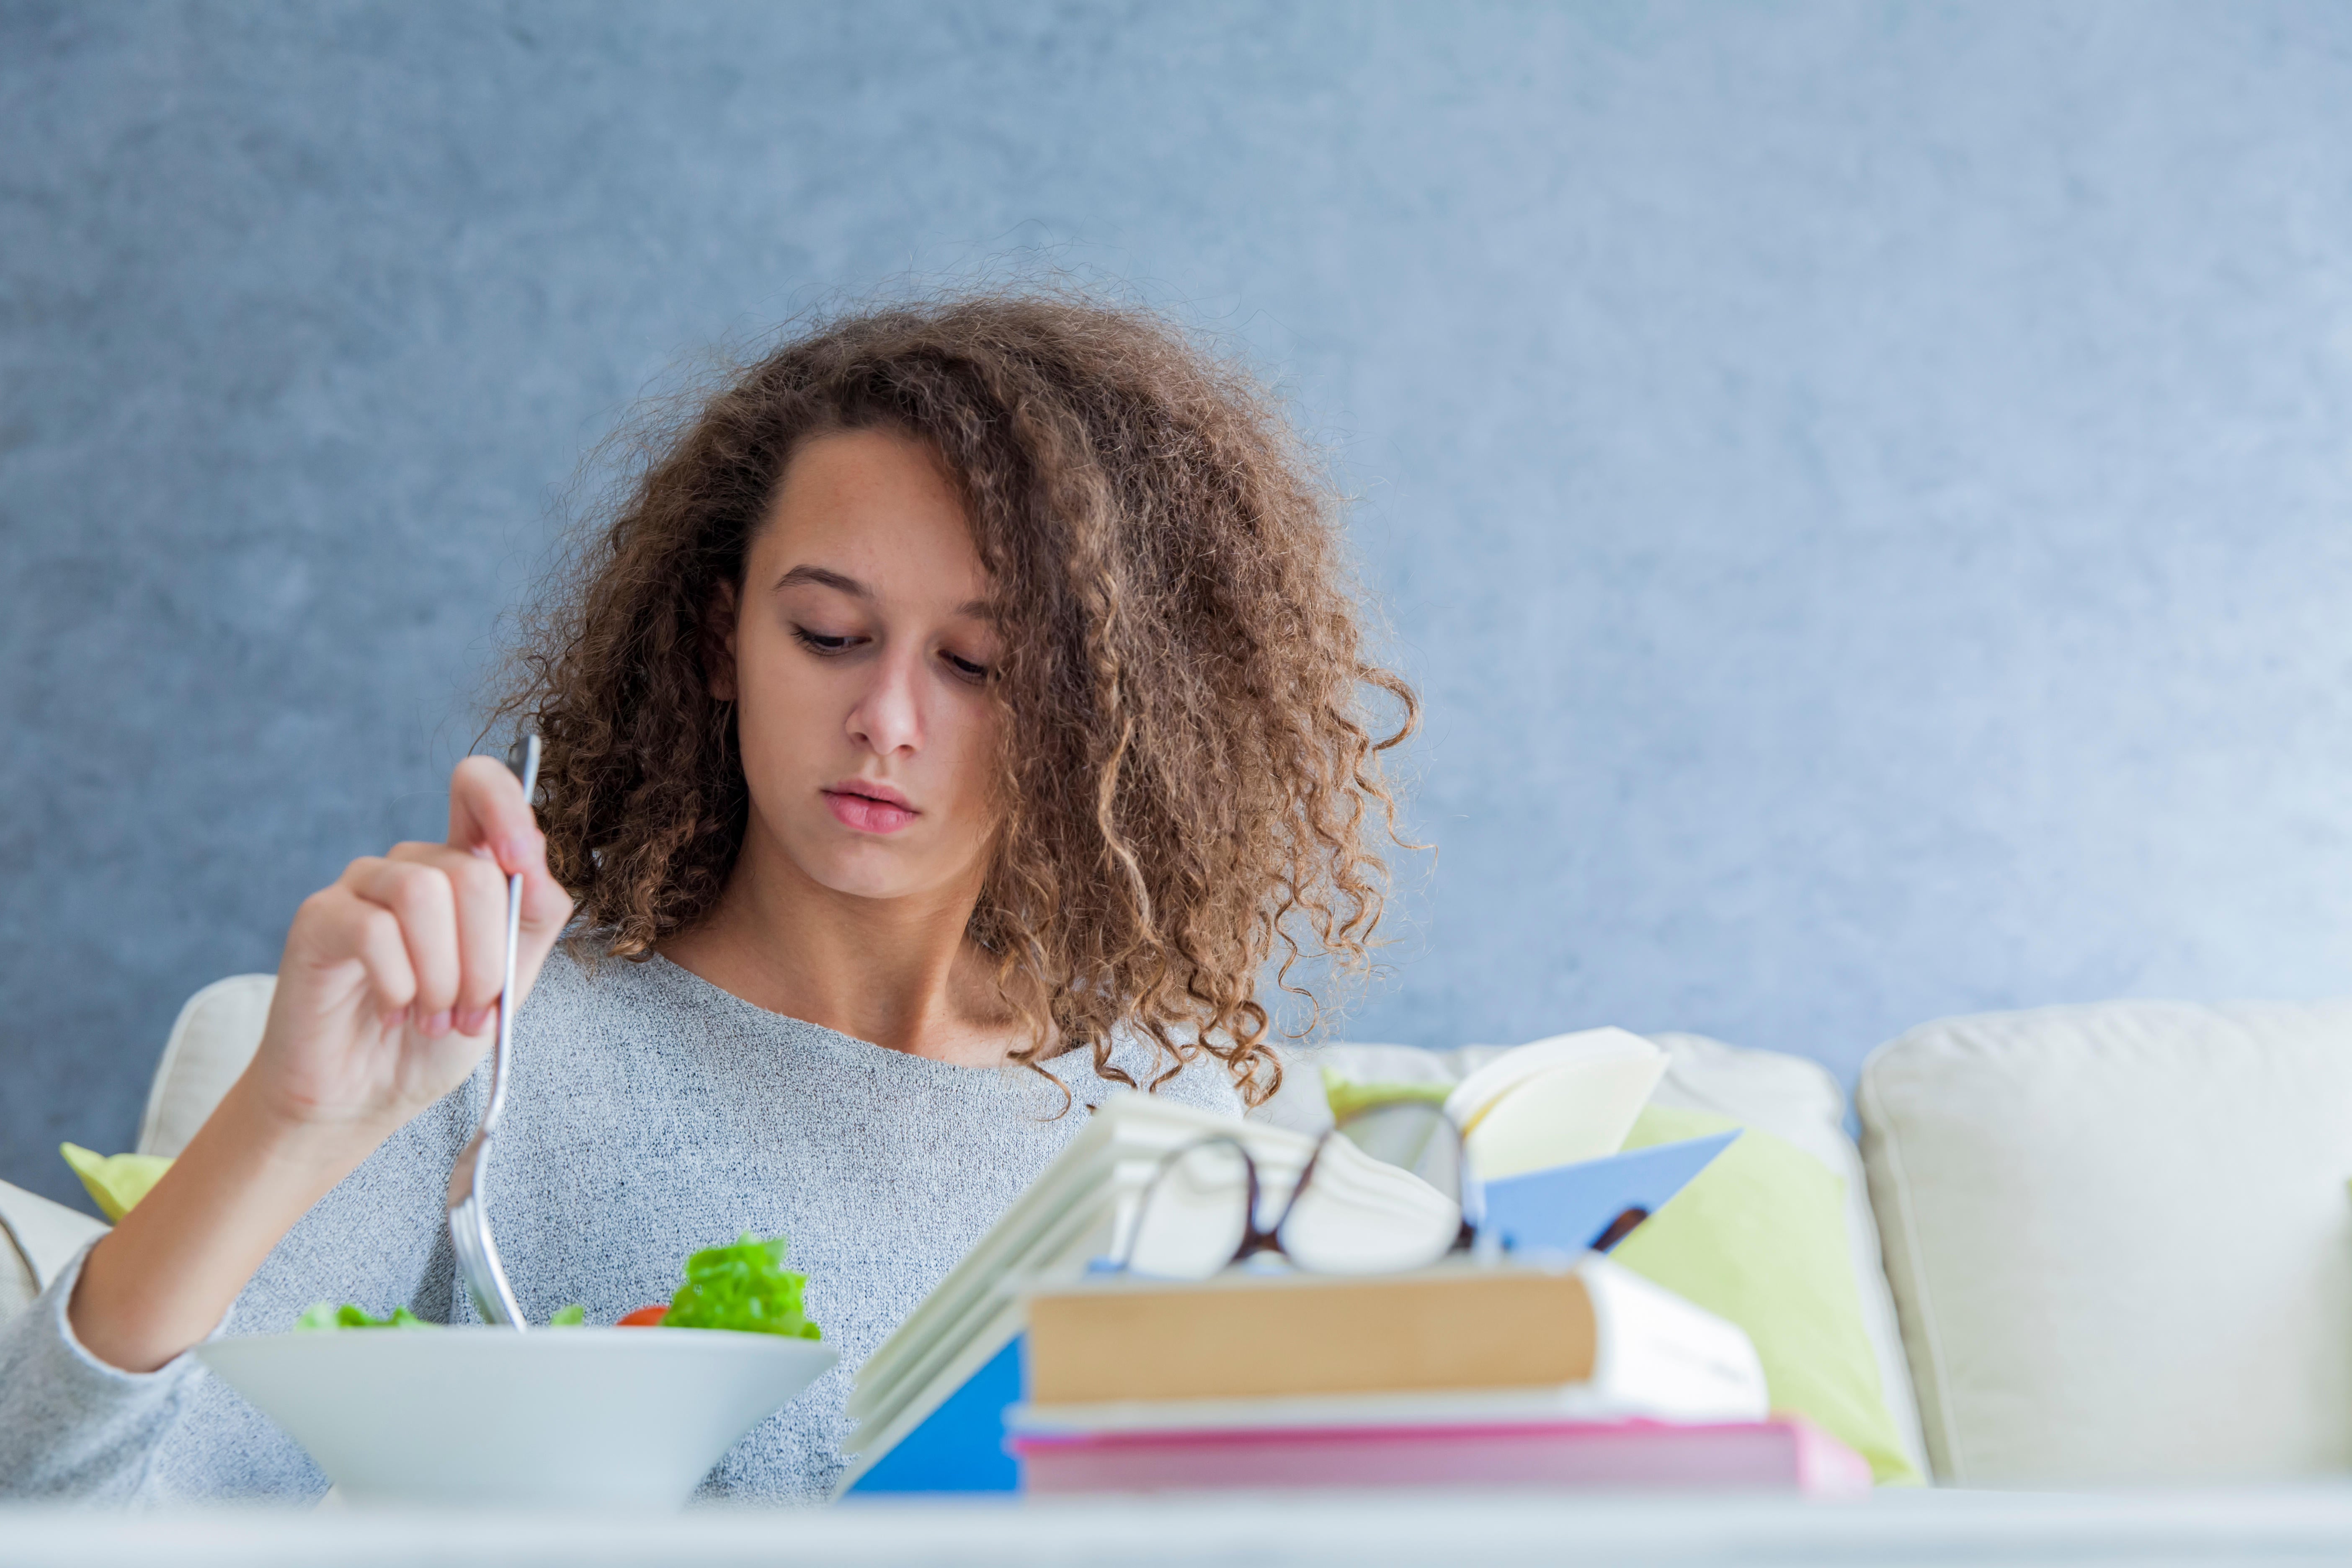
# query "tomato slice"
(645, 1316)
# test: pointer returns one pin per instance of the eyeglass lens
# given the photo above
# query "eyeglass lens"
(1382, 1193)
(1195, 1214)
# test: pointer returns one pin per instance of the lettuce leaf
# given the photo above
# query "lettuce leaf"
(745, 1287)
(327, 1316)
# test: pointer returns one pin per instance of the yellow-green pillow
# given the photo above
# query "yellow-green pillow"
(1345, 1097)
(116, 1181)
(1758, 1238)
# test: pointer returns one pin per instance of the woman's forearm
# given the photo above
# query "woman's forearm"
(163, 1276)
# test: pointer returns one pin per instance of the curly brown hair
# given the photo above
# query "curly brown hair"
(1190, 782)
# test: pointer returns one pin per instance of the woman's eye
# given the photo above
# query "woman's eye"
(818, 642)
(965, 667)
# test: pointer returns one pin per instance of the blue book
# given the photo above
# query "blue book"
(961, 1445)
(1591, 1204)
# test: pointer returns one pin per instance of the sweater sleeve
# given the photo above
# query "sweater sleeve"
(72, 1426)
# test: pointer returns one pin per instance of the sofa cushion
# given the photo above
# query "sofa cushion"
(210, 1044)
(2120, 1239)
(1788, 1097)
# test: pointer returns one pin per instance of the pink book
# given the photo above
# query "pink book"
(1783, 1453)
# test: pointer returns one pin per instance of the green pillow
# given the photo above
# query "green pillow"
(1345, 1097)
(116, 1181)
(1758, 1238)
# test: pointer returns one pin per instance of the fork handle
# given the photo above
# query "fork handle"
(502, 1052)
(504, 1049)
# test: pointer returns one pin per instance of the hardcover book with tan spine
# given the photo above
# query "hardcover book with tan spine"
(1603, 1338)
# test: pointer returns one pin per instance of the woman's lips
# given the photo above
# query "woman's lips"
(867, 814)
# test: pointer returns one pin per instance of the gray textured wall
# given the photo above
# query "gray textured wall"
(1862, 487)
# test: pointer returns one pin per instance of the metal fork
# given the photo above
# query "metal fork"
(469, 1216)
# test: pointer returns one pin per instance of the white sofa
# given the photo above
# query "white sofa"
(2097, 1243)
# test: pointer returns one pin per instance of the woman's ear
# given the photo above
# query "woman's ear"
(719, 644)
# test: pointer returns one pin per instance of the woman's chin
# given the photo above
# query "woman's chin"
(869, 872)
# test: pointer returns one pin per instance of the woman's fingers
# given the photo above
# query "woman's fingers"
(488, 815)
(424, 912)
(476, 942)
(343, 926)
(547, 909)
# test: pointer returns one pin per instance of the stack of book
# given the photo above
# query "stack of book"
(1517, 1375)
(1029, 1366)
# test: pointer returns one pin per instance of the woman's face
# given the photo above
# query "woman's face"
(861, 652)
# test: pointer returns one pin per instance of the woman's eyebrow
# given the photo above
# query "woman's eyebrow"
(824, 577)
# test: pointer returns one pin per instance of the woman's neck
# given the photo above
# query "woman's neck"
(900, 972)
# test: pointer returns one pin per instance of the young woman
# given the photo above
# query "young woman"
(960, 711)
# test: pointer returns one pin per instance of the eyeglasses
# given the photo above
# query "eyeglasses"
(1382, 1191)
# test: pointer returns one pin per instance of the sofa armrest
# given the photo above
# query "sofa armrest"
(37, 1238)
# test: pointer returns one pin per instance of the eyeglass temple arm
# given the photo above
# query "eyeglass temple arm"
(1256, 1238)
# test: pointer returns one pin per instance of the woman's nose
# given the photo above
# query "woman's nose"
(888, 718)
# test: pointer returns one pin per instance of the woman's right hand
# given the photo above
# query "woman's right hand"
(386, 1001)
(387, 993)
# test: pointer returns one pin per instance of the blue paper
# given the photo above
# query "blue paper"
(1567, 1207)
(959, 1447)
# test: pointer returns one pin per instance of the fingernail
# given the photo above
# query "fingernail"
(470, 1023)
(438, 1024)
(514, 851)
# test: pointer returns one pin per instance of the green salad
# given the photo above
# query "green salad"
(744, 1287)
(326, 1315)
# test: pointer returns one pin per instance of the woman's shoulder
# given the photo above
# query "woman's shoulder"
(571, 973)
(584, 983)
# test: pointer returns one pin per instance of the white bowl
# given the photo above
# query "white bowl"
(554, 1418)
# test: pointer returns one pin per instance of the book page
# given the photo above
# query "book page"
(1581, 1111)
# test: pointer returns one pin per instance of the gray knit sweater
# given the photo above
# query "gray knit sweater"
(651, 1114)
